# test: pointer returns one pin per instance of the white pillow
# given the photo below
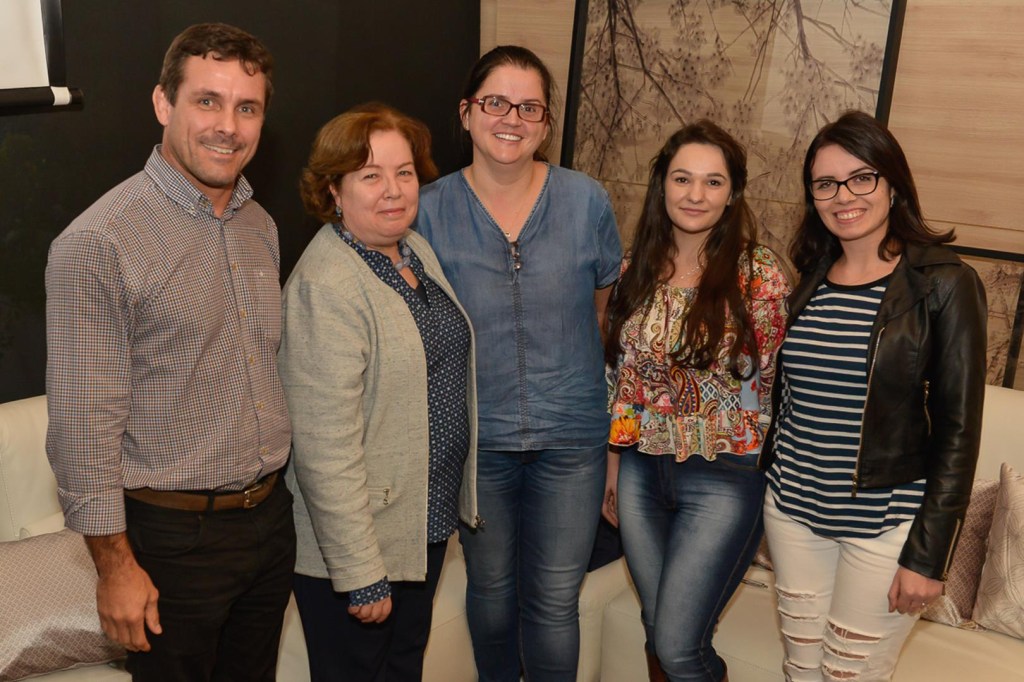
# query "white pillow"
(1000, 604)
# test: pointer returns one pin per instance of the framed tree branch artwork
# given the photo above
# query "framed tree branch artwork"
(771, 72)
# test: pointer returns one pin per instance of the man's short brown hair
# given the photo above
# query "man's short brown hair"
(221, 42)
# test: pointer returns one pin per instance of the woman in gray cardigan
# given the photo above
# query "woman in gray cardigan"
(377, 363)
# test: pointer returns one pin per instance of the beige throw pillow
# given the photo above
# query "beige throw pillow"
(48, 602)
(956, 604)
(1000, 604)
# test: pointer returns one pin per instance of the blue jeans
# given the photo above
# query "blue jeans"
(525, 566)
(690, 530)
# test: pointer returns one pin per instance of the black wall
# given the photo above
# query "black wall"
(330, 55)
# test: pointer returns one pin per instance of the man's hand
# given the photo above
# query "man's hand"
(126, 598)
(377, 612)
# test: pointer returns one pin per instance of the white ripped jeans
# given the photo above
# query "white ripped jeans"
(833, 601)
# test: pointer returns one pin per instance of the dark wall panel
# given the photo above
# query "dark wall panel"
(330, 55)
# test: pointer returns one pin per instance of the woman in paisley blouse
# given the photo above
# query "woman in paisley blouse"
(694, 326)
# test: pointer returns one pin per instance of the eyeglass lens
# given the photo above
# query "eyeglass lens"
(497, 106)
(859, 185)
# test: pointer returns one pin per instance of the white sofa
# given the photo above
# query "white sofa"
(748, 635)
(611, 637)
(28, 499)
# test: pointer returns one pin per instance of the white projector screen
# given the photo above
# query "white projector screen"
(32, 55)
(22, 50)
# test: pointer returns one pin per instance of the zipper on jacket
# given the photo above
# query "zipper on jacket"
(952, 544)
(387, 497)
(867, 394)
(927, 414)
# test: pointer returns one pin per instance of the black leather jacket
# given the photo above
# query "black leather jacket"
(926, 384)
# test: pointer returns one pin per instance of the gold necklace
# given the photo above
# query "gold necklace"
(686, 275)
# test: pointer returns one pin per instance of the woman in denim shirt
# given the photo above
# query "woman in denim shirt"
(532, 251)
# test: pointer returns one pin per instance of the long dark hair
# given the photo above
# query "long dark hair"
(520, 57)
(870, 141)
(718, 294)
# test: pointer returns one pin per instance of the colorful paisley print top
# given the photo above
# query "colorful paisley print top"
(669, 409)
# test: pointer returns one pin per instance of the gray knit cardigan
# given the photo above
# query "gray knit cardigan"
(355, 378)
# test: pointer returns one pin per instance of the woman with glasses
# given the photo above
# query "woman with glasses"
(531, 250)
(879, 401)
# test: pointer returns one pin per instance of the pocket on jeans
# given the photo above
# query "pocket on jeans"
(744, 462)
(165, 537)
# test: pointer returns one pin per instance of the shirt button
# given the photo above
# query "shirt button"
(264, 450)
(259, 405)
(251, 359)
(241, 313)
(234, 266)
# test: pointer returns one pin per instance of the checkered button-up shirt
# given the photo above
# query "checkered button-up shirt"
(163, 323)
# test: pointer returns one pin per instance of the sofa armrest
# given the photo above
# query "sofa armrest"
(28, 489)
(600, 587)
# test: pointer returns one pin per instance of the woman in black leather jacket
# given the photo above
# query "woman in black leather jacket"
(871, 456)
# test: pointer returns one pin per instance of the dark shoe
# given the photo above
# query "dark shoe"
(654, 671)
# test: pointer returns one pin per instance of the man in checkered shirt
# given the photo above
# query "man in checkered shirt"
(168, 424)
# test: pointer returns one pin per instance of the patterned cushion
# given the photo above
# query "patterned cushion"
(1000, 604)
(48, 601)
(956, 605)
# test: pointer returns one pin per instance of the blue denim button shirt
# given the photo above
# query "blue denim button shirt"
(540, 365)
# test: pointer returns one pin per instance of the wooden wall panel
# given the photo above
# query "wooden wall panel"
(544, 26)
(958, 111)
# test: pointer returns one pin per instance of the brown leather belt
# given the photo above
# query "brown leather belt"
(206, 501)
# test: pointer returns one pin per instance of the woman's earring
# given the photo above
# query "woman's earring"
(337, 210)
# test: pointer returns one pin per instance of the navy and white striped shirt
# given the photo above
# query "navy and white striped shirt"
(825, 383)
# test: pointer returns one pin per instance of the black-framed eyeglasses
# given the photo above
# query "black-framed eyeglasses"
(859, 184)
(499, 106)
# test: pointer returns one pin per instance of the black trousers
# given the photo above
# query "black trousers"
(342, 649)
(224, 580)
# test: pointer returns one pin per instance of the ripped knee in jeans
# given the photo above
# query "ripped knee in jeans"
(802, 618)
(846, 652)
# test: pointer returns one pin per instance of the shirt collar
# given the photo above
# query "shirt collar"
(182, 192)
